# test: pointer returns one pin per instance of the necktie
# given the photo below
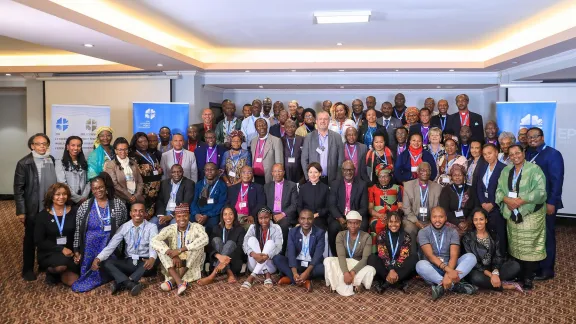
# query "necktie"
(386, 122)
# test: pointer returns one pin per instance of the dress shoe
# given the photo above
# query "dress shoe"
(284, 281)
(528, 284)
(115, 287)
(308, 285)
(29, 276)
(134, 287)
(543, 277)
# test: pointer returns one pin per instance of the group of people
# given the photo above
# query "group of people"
(356, 197)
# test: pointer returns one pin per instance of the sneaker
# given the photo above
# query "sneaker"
(464, 288)
(437, 292)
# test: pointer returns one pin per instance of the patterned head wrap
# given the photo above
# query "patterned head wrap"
(183, 208)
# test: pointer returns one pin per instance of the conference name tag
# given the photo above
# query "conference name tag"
(486, 194)
(512, 194)
(424, 210)
(319, 150)
(445, 180)
(232, 174)
(304, 263)
(242, 205)
(107, 228)
(155, 172)
(459, 213)
(210, 201)
(291, 160)
(61, 240)
(134, 256)
(258, 160)
(414, 169)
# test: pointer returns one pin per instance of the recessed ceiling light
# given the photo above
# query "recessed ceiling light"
(438, 87)
(397, 70)
(261, 87)
(159, 65)
(514, 62)
(338, 44)
(342, 17)
(247, 71)
(8, 74)
(341, 70)
(293, 70)
(451, 70)
(341, 87)
(88, 45)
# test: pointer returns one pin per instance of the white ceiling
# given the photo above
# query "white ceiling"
(352, 86)
(406, 24)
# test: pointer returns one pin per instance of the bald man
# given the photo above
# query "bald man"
(441, 118)
(153, 145)
(326, 105)
(282, 198)
(206, 124)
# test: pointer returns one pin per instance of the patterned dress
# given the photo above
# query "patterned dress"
(95, 242)
(445, 165)
(147, 164)
(385, 199)
(235, 163)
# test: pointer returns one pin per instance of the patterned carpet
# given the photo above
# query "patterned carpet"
(21, 302)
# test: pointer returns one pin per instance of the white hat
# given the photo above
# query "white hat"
(353, 215)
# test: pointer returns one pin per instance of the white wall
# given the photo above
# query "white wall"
(190, 88)
(13, 135)
(481, 101)
(565, 130)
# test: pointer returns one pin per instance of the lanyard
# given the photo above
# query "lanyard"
(259, 151)
(357, 120)
(351, 254)
(438, 246)
(103, 220)
(209, 157)
(307, 128)
(213, 188)
(443, 122)
(322, 142)
(243, 193)
(394, 249)
(291, 148)
(423, 197)
(305, 244)
(515, 177)
(180, 236)
(340, 127)
(385, 161)
(109, 158)
(148, 158)
(415, 159)
(178, 161)
(532, 160)
(400, 149)
(449, 164)
(460, 196)
(487, 176)
(386, 122)
(435, 154)
(505, 161)
(136, 242)
(463, 122)
(401, 115)
(223, 234)
(351, 155)
(467, 150)
(60, 225)
(174, 191)
(234, 163)
(228, 123)
(368, 138)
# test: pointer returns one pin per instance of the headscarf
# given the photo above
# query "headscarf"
(100, 130)
(381, 171)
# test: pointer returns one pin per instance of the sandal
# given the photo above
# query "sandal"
(167, 286)
(246, 285)
(182, 288)
(268, 283)
(515, 284)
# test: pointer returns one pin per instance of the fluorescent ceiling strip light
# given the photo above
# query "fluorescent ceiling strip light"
(342, 17)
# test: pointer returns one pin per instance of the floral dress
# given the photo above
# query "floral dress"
(151, 172)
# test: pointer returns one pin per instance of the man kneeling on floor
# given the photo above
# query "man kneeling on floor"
(303, 259)
(442, 267)
(139, 258)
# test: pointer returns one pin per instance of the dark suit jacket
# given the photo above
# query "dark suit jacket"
(256, 197)
(392, 125)
(361, 151)
(275, 130)
(200, 154)
(201, 131)
(551, 162)
(492, 186)
(379, 129)
(185, 194)
(417, 129)
(476, 125)
(403, 168)
(293, 171)
(435, 121)
(396, 114)
(314, 198)
(358, 198)
(289, 199)
(316, 246)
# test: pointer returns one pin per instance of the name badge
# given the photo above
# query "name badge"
(424, 210)
(441, 259)
(258, 160)
(459, 213)
(107, 228)
(512, 194)
(210, 201)
(445, 180)
(135, 257)
(319, 150)
(61, 240)
(414, 169)
(232, 174)
(291, 160)
(486, 194)
(242, 205)
(155, 172)
(304, 263)
(171, 205)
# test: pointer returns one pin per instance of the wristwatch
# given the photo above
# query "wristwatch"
(496, 272)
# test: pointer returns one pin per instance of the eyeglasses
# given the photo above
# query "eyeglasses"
(347, 170)
(122, 150)
(43, 144)
(533, 137)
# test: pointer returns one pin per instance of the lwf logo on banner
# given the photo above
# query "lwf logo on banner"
(150, 113)
(150, 116)
(512, 116)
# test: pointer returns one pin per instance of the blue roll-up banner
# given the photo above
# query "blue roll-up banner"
(512, 116)
(150, 116)
(78, 120)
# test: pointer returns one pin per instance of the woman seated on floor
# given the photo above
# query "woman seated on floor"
(54, 236)
(491, 271)
(180, 248)
(395, 261)
(225, 252)
(262, 242)
(349, 270)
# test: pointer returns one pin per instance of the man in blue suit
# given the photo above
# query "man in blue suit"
(209, 198)
(247, 197)
(551, 162)
(208, 152)
(304, 255)
(486, 185)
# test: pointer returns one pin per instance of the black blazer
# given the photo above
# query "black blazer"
(46, 232)
(200, 128)
(449, 201)
(235, 234)
(200, 155)
(476, 125)
(493, 184)
(314, 198)
(358, 198)
(26, 186)
(471, 245)
(289, 199)
(256, 197)
(275, 130)
(293, 171)
(185, 194)
(435, 121)
(379, 129)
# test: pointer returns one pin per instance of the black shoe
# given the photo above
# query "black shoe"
(29, 276)
(52, 279)
(544, 277)
(136, 288)
(464, 288)
(378, 287)
(437, 292)
(402, 286)
(115, 287)
(528, 284)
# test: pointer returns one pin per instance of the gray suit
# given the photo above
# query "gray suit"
(394, 123)
(411, 203)
(335, 153)
(273, 153)
(188, 164)
(287, 205)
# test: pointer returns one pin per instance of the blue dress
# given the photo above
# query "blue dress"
(95, 242)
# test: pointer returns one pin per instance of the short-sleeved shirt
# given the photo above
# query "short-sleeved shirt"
(431, 235)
